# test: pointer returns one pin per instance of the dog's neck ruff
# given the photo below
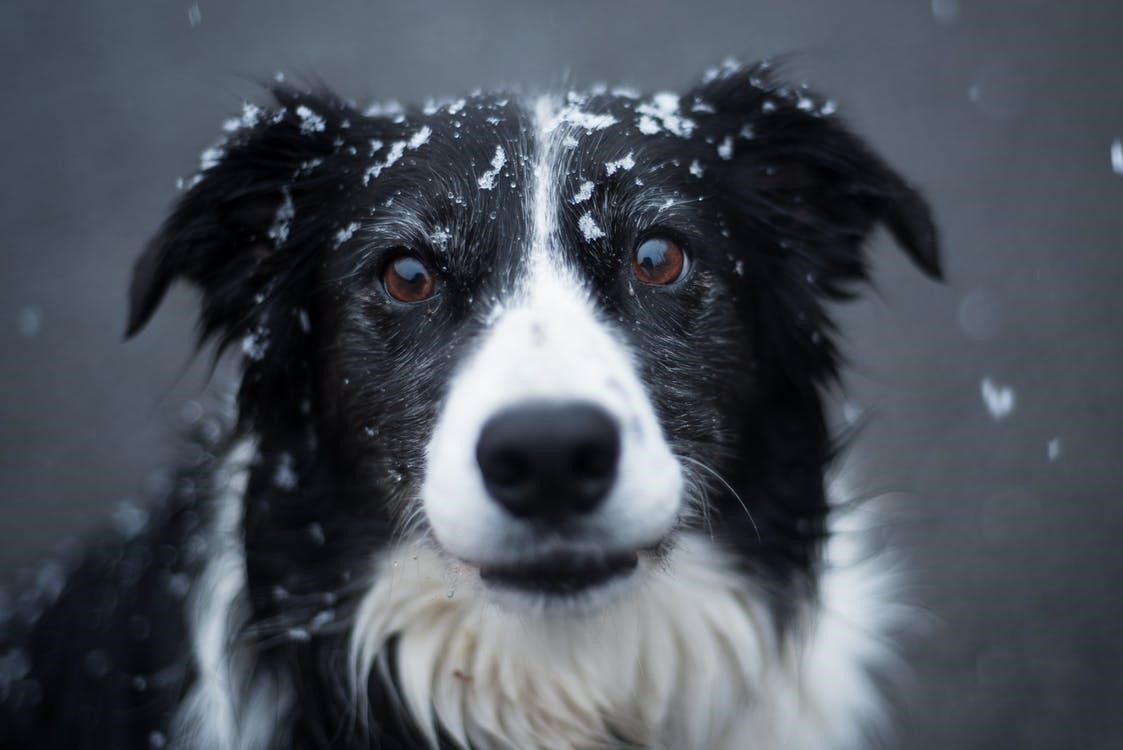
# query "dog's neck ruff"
(690, 660)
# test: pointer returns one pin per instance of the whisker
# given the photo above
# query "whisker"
(732, 491)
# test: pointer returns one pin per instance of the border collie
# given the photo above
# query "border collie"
(530, 448)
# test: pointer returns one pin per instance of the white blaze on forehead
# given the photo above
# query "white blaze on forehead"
(547, 342)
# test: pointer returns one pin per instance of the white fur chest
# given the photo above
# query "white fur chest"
(690, 661)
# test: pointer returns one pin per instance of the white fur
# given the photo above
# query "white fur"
(688, 660)
(231, 706)
(547, 343)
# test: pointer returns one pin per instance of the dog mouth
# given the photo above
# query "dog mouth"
(561, 575)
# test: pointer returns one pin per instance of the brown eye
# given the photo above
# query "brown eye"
(407, 279)
(659, 261)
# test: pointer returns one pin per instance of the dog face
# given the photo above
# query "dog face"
(543, 336)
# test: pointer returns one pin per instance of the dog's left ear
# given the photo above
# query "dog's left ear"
(796, 176)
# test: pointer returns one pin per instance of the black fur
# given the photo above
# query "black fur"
(341, 386)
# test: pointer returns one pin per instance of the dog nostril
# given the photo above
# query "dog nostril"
(548, 459)
(595, 459)
(508, 468)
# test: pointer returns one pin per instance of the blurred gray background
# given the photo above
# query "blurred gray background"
(1005, 112)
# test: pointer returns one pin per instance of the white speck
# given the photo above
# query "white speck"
(305, 321)
(157, 740)
(488, 178)
(627, 162)
(440, 238)
(194, 15)
(310, 122)
(589, 228)
(696, 168)
(728, 67)
(298, 635)
(255, 344)
(747, 132)
(282, 220)
(829, 108)
(569, 141)
(182, 184)
(316, 534)
(29, 321)
(1053, 449)
(584, 192)
(391, 108)
(211, 157)
(739, 268)
(851, 412)
(322, 618)
(375, 146)
(395, 153)
(586, 120)
(725, 148)
(647, 125)
(702, 106)
(768, 106)
(346, 233)
(251, 113)
(285, 474)
(421, 137)
(456, 106)
(1117, 156)
(805, 104)
(662, 113)
(945, 11)
(999, 399)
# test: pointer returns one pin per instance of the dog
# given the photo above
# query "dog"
(530, 448)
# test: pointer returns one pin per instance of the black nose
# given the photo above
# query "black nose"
(547, 460)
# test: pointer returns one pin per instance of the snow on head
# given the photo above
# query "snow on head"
(588, 226)
(612, 167)
(251, 114)
(586, 120)
(421, 137)
(396, 151)
(488, 178)
(725, 148)
(1117, 156)
(310, 122)
(346, 233)
(662, 113)
(584, 192)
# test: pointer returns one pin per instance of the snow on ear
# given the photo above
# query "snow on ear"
(791, 162)
(226, 234)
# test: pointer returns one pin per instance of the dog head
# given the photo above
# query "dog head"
(543, 336)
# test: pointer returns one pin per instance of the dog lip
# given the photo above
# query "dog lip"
(561, 574)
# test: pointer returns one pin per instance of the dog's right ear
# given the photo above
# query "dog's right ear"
(233, 233)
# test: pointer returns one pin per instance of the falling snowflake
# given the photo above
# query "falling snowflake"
(999, 399)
